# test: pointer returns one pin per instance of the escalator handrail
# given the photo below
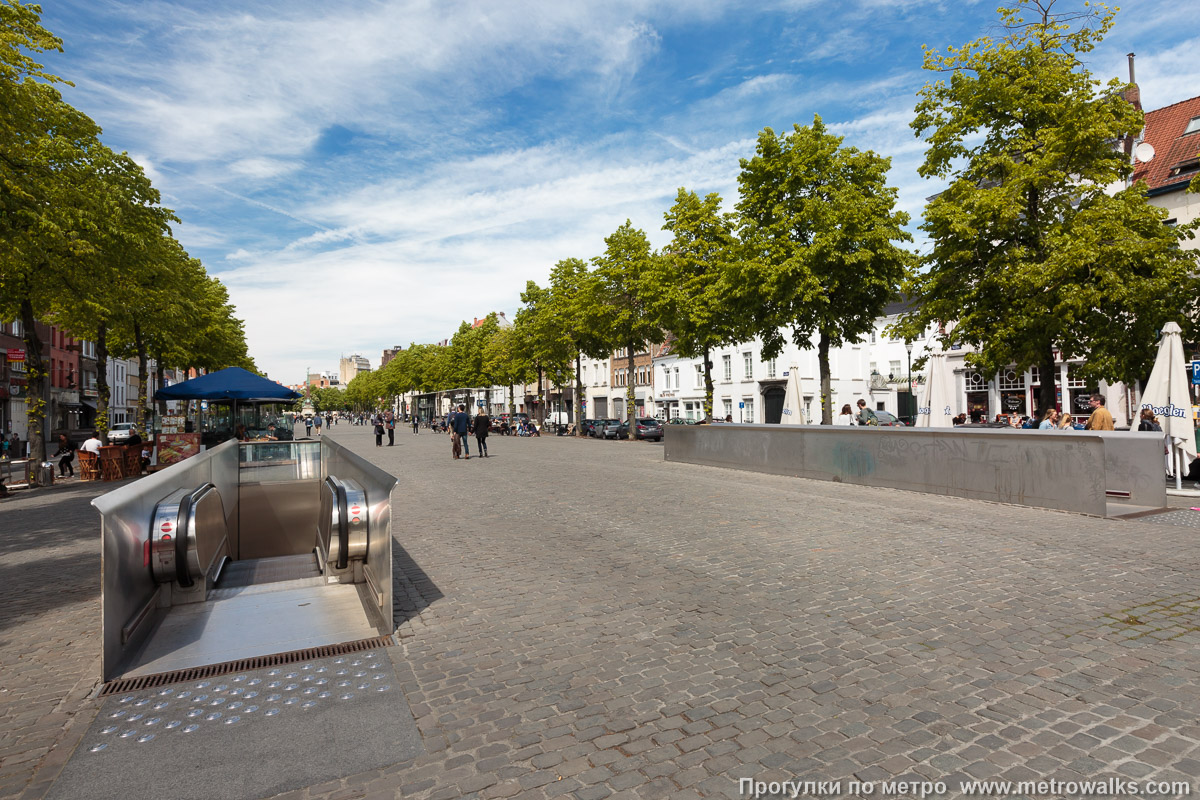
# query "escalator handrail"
(183, 532)
(343, 527)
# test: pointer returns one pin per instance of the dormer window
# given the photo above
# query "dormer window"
(1192, 126)
(1185, 167)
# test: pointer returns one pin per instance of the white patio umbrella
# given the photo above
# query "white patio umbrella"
(1168, 396)
(936, 408)
(793, 408)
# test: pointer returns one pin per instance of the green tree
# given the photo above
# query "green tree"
(46, 154)
(574, 298)
(690, 285)
(820, 231)
(1031, 253)
(622, 316)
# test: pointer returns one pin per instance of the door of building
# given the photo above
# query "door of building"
(773, 405)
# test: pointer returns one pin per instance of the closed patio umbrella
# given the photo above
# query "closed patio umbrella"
(1168, 397)
(793, 410)
(937, 395)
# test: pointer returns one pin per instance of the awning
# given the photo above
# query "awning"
(89, 403)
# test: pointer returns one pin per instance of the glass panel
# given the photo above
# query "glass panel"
(279, 461)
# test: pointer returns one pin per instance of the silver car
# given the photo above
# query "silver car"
(120, 433)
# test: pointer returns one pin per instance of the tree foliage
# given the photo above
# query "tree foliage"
(820, 231)
(1032, 250)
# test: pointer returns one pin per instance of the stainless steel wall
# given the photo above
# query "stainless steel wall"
(128, 591)
(1067, 471)
(343, 463)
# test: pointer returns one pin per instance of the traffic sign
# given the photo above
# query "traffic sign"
(1196, 372)
(741, 405)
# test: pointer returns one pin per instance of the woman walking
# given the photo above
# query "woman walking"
(482, 426)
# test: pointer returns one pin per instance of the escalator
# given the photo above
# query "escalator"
(264, 555)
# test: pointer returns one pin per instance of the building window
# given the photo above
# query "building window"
(1192, 126)
(748, 411)
(1072, 381)
(771, 368)
(894, 369)
(699, 375)
(727, 363)
(975, 382)
(748, 365)
(728, 404)
(1010, 379)
(872, 336)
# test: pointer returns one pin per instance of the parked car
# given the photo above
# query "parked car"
(649, 428)
(681, 421)
(616, 429)
(588, 426)
(120, 433)
(599, 426)
(889, 420)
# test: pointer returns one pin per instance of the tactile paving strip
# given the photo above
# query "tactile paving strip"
(1185, 518)
(255, 733)
(243, 699)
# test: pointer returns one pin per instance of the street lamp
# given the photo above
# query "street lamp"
(908, 346)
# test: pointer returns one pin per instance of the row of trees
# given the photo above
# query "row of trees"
(85, 243)
(1033, 252)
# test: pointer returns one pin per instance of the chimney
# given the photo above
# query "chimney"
(1130, 57)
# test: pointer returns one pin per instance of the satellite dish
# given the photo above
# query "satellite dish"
(1144, 152)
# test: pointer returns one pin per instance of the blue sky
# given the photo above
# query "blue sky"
(367, 174)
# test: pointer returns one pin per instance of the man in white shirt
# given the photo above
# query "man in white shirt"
(92, 445)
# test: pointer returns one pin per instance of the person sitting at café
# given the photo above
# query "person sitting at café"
(1049, 421)
(270, 434)
(242, 434)
(92, 445)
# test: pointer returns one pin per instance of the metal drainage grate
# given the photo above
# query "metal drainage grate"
(259, 662)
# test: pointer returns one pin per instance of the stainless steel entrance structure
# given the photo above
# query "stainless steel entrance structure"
(249, 549)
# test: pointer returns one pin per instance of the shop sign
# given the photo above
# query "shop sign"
(15, 354)
(1012, 402)
(173, 424)
(16, 390)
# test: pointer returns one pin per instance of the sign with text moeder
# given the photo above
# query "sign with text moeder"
(15, 354)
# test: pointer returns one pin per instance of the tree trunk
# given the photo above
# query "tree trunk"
(1047, 392)
(103, 390)
(823, 363)
(630, 397)
(162, 384)
(37, 390)
(512, 399)
(578, 395)
(139, 417)
(708, 386)
(541, 406)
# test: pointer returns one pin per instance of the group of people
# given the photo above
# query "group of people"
(865, 416)
(67, 449)
(460, 425)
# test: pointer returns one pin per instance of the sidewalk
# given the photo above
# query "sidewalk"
(582, 619)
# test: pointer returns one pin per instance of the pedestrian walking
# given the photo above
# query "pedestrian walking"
(308, 422)
(482, 425)
(379, 433)
(460, 425)
(416, 423)
(65, 454)
(1101, 419)
(317, 423)
(391, 430)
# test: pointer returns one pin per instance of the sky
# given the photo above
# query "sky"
(363, 175)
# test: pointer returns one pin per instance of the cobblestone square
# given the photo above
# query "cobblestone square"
(582, 619)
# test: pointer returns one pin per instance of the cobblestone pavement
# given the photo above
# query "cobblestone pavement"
(582, 619)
